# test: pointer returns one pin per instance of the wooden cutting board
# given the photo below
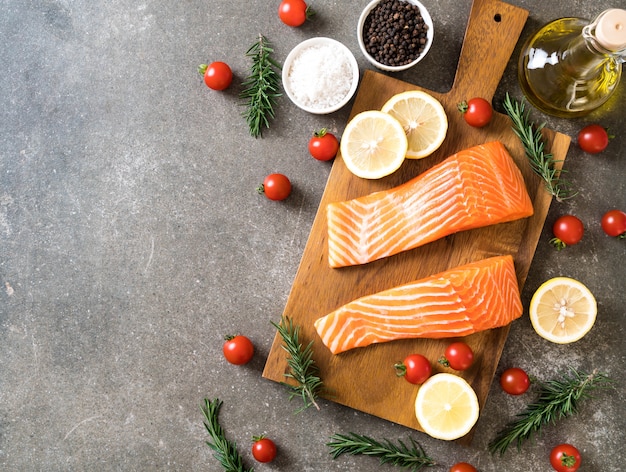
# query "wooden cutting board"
(364, 379)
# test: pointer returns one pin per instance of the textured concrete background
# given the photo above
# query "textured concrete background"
(132, 239)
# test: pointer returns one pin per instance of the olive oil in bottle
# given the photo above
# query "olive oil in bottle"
(570, 67)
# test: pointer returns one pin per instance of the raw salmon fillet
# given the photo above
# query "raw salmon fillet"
(477, 187)
(460, 301)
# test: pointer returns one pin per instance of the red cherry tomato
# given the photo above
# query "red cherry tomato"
(458, 356)
(463, 467)
(276, 187)
(238, 349)
(217, 75)
(477, 112)
(293, 12)
(514, 381)
(415, 369)
(323, 146)
(593, 139)
(263, 449)
(567, 230)
(614, 223)
(565, 458)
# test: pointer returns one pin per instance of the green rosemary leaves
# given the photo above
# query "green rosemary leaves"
(411, 457)
(225, 451)
(302, 367)
(558, 399)
(541, 162)
(261, 88)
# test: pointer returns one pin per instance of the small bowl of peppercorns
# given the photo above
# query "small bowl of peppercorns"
(394, 35)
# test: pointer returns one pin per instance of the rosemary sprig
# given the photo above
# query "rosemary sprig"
(558, 399)
(261, 87)
(225, 451)
(541, 162)
(302, 367)
(411, 457)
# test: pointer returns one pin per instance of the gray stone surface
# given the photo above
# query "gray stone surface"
(132, 239)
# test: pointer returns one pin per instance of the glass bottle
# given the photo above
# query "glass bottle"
(570, 67)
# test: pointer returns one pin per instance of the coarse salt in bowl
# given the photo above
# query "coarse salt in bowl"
(430, 33)
(320, 75)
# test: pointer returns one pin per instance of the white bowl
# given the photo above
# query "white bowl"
(430, 33)
(313, 80)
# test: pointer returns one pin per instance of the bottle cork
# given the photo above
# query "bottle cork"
(611, 29)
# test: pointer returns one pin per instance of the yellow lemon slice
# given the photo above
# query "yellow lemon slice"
(373, 145)
(562, 310)
(446, 406)
(423, 118)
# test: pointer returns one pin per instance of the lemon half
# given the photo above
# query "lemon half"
(446, 406)
(562, 310)
(423, 118)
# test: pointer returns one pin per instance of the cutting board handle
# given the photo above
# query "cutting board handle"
(490, 38)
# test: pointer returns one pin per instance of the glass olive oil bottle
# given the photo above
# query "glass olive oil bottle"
(570, 67)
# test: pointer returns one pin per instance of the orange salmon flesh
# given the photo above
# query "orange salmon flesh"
(458, 302)
(476, 187)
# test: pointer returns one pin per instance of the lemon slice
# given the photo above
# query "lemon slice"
(446, 406)
(373, 145)
(423, 118)
(562, 310)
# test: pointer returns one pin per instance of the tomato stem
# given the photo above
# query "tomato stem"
(400, 369)
(568, 460)
(558, 244)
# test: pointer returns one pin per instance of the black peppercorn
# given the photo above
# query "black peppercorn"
(394, 32)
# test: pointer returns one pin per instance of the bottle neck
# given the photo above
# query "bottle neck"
(584, 57)
(581, 55)
(606, 36)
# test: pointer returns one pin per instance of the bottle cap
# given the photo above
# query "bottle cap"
(611, 29)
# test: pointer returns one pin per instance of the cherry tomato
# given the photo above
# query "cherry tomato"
(614, 223)
(514, 381)
(276, 187)
(477, 112)
(238, 349)
(593, 139)
(217, 75)
(463, 467)
(415, 369)
(567, 230)
(294, 12)
(458, 356)
(565, 458)
(263, 449)
(323, 146)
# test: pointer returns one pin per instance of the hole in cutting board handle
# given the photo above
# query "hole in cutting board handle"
(497, 18)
